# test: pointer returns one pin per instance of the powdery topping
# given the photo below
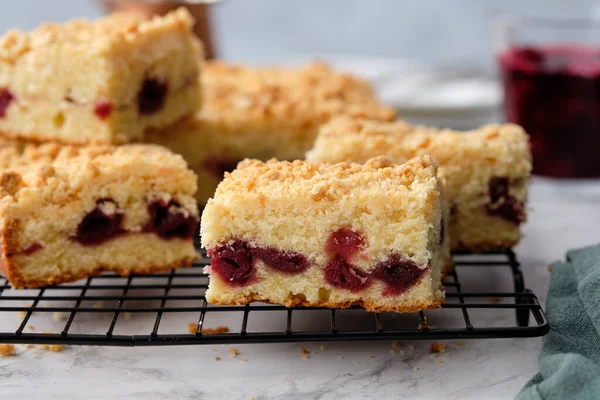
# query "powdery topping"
(322, 180)
(505, 146)
(100, 34)
(67, 168)
(302, 97)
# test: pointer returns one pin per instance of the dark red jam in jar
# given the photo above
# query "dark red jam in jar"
(553, 91)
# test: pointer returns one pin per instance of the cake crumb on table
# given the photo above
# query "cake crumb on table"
(55, 348)
(127, 316)
(372, 356)
(31, 327)
(323, 347)
(215, 331)
(218, 358)
(414, 368)
(233, 353)
(305, 353)
(7, 350)
(21, 314)
(438, 348)
(396, 345)
(460, 343)
(244, 359)
(549, 268)
(438, 361)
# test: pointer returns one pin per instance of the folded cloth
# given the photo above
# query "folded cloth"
(570, 358)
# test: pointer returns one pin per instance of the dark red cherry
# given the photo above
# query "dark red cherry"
(233, 263)
(344, 242)
(6, 97)
(342, 275)
(287, 262)
(169, 220)
(398, 273)
(152, 95)
(97, 227)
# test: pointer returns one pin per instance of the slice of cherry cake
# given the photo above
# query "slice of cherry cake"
(486, 170)
(103, 81)
(314, 234)
(67, 212)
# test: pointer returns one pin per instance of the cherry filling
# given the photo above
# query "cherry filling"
(152, 95)
(289, 263)
(98, 226)
(217, 166)
(32, 248)
(399, 274)
(233, 263)
(103, 109)
(345, 243)
(340, 274)
(170, 220)
(502, 204)
(6, 97)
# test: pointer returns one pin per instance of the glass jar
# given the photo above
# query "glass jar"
(550, 70)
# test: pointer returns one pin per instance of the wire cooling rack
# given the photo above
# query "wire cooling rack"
(488, 301)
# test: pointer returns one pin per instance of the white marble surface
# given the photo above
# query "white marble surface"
(561, 217)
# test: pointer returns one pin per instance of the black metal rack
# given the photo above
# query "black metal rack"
(99, 305)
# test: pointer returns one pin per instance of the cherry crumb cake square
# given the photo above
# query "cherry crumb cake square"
(263, 113)
(70, 212)
(314, 234)
(99, 82)
(486, 170)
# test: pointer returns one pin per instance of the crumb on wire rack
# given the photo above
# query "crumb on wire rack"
(59, 316)
(98, 304)
(495, 299)
(215, 331)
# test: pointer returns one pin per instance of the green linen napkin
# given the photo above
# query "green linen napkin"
(570, 358)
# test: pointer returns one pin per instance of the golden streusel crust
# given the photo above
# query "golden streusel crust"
(300, 97)
(100, 35)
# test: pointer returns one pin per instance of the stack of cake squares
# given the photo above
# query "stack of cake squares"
(115, 131)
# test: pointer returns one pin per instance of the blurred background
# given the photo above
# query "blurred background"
(434, 60)
(439, 32)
